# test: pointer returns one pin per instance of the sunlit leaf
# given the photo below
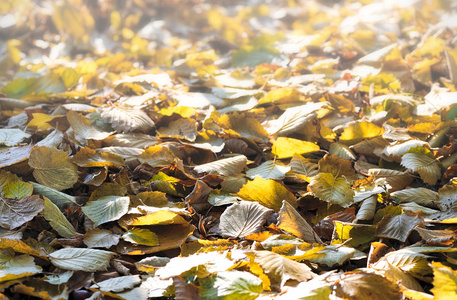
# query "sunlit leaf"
(360, 286)
(12, 136)
(18, 189)
(291, 221)
(427, 167)
(281, 269)
(342, 151)
(231, 166)
(161, 217)
(286, 147)
(359, 131)
(231, 284)
(181, 128)
(294, 119)
(269, 170)
(422, 196)
(126, 119)
(83, 128)
(243, 218)
(444, 281)
(118, 284)
(212, 261)
(87, 157)
(272, 193)
(157, 156)
(330, 189)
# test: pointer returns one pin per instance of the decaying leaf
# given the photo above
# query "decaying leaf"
(272, 193)
(77, 259)
(331, 189)
(281, 269)
(243, 218)
(291, 221)
(53, 168)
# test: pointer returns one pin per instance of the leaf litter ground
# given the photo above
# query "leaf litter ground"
(217, 150)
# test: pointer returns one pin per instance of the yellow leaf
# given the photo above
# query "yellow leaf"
(87, 157)
(161, 217)
(281, 95)
(291, 221)
(284, 147)
(268, 192)
(53, 168)
(157, 156)
(184, 111)
(444, 282)
(18, 189)
(40, 121)
(245, 126)
(359, 131)
(330, 189)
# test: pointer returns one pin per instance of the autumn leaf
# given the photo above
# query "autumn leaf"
(53, 168)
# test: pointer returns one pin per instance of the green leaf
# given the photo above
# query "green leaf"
(251, 57)
(18, 189)
(57, 220)
(60, 199)
(106, 209)
(231, 285)
(331, 189)
(70, 77)
(141, 236)
(81, 259)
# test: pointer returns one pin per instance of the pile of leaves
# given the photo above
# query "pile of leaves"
(228, 149)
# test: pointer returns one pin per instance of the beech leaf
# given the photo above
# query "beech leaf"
(333, 190)
(106, 209)
(57, 220)
(272, 193)
(231, 166)
(81, 259)
(243, 218)
(53, 168)
(427, 167)
(281, 269)
(291, 221)
(16, 212)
